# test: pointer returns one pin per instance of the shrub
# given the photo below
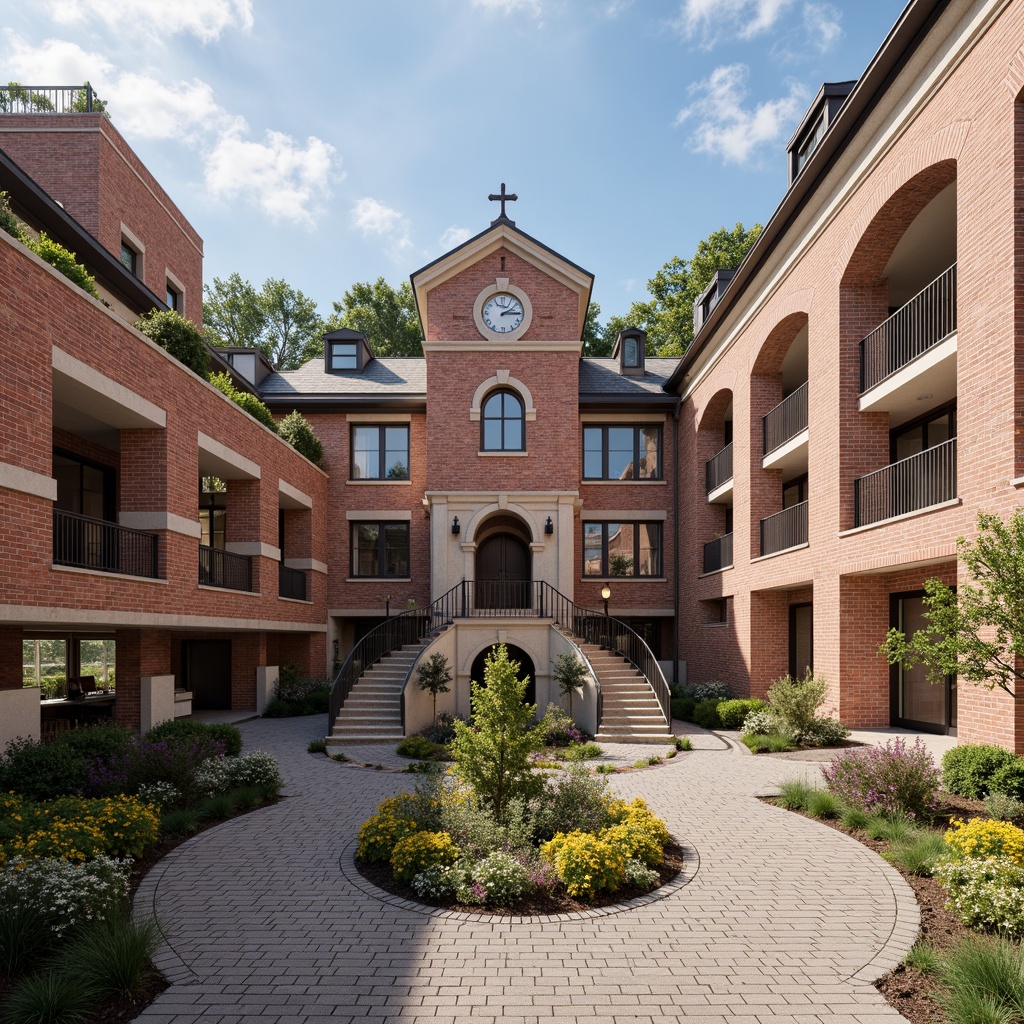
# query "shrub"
(583, 751)
(98, 740)
(854, 817)
(179, 823)
(1009, 779)
(250, 403)
(983, 982)
(794, 702)
(64, 261)
(894, 829)
(981, 839)
(159, 794)
(442, 731)
(703, 691)
(574, 801)
(381, 832)
(1003, 807)
(760, 723)
(826, 732)
(894, 778)
(41, 771)
(637, 839)
(258, 770)
(8, 222)
(185, 729)
(421, 850)
(417, 747)
(794, 793)
(440, 881)
(639, 874)
(586, 864)
(178, 337)
(557, 728)
(733, 713)
(501, 877)
(317, 746)
(968, 770)
(295, 429)
(985, 894)
(682, 708)
(115, 955)
(705, 713)
(919, 854)
(683, 743)
(823, 804)
(50, 997)
(773, 743)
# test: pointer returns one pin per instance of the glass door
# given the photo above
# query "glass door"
(918, 703)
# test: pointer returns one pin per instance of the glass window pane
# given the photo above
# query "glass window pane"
(492, 435)
(620, 453)
(592, 544)
(492, 406)
(938, 431)
(513, 435)
(620, 549)
(67, 473)
(396, 454)
(909, 443)
(650, 549)
(92, 492)
(365, 453)
(365, 541)
(593, 447)
(396, 549)
(343, 357)
(650, 455)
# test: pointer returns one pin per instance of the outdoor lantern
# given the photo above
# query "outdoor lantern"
(455, 527)
(549, 527)
(606, 592)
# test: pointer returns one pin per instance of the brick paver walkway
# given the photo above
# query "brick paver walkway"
(781, 919)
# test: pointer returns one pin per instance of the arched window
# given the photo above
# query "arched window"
(503, 426)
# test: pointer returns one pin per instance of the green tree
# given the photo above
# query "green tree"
(294, 330)
(492, 754)
(434, 676)
(80, 104)
(295, 429)
(250, 403)
(386, 315)
(570, 674)
(180, 337)
(16, 98)
(976, 631)
(668, 315)
(596, 341)
(232, 313)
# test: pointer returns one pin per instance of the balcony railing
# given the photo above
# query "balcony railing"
(718, 470)
(48, 99)
(928, 318)
(86, 543)
(786, 420)
(219, 568)
(785, 529)
(917, 482)
(718, 553)
(291, 583)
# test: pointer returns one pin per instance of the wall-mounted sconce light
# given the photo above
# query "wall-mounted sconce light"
(456, 529)
(549, 527)
(606, 593)
(387, 607)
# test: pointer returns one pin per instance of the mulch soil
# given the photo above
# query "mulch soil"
(534, 905)
(906, 989)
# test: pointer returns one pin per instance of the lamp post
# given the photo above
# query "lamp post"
(606, 592)
(387, 607)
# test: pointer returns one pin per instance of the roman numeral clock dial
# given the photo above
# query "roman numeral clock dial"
(503, 313)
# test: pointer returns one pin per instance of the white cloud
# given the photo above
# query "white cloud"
(452, 237)
(727, 129)
(376, 220)
(711, 20)
(613, 8)
(821, 22)
(283, 178)
(205, 19)
(510, 6)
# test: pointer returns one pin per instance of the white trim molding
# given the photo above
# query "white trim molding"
(382, 515)
(16, 478)
(153, 521)
(224, 462)
(83, 387)
(633, 515)
(310, 564)
(294, 498)
(502, 379)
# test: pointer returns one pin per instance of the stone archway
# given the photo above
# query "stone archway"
(526, 669)
(504, 564)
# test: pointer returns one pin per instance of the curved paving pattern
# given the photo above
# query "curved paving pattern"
(784, 920)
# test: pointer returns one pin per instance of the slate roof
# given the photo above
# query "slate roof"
(602, 377)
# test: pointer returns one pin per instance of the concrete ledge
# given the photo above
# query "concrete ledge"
(19, 714)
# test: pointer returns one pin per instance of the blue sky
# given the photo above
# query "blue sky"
(328, 143)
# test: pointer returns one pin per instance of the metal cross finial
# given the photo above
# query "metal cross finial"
(503, 197)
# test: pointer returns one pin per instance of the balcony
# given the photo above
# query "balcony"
(910, 485)
(85, 543)
(49, 99)
(785, 433)
(911, 357)
(219, 568)
(718, 553)
(718, 477)
(291, 583)
(784, 530)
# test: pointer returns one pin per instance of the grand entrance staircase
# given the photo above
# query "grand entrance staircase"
(367, 696)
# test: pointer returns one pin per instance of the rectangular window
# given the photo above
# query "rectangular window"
(380, 453)
(83, 487)
(621, 549)
(344, 356)
(622, 453)
(380, 549)
(129, 257)
(173, 299)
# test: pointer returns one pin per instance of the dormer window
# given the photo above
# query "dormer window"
(346, 351)
(823, 111)
(630, 348)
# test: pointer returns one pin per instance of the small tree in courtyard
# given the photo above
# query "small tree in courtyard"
(492, 753)
(434, 676)
(570, 674)
(976, 631)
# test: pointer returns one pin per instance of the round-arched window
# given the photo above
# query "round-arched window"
(503, 423)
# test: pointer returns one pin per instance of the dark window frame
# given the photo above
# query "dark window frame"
(173, 298)
(382, 469)
(635, 574)
(503, 419)
(381, 548)
(109, 481)
(129, 258)
(922, 421)
(333, 351)
(638, 429)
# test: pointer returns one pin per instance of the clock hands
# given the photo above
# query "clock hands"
(510, 312)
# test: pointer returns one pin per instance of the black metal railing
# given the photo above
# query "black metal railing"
(291, 583)
(786, 420)
(87, 543)
(533, 599)
(48, 99)
(785, 529)
(928, 318)
(219, 568)
(718, 553)
(916, 482)
(718, 469)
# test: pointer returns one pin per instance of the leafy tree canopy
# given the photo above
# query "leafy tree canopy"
(976, 631)
(668, 315)
(386, 315)
(295, 429)
(180, 337)
(596, 341)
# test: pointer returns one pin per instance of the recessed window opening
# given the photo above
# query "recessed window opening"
(380, 452)
(622, 549)
(380, 549)
(129, 258)
(344, 356)
(503, 426)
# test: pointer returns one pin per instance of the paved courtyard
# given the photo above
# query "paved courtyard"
(777, 918)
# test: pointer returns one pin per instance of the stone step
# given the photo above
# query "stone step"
(365, 736)
(603, 737)
(389, 716)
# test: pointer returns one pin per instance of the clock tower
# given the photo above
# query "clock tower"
(503, 319)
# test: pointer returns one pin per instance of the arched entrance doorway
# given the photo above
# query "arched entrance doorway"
(526, 669)
(503, 565)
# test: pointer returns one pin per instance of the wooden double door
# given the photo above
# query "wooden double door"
(503, 577)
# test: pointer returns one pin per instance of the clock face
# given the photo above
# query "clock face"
(503, 313)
